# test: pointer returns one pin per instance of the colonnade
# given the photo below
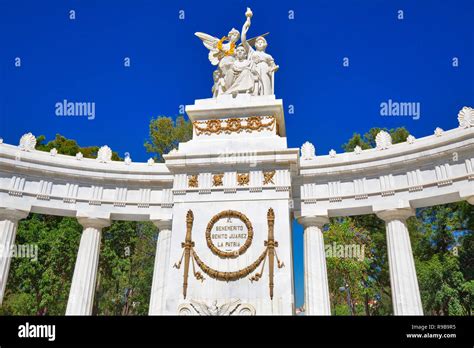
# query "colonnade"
(404, 284)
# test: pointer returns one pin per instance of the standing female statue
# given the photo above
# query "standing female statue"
(264, 63)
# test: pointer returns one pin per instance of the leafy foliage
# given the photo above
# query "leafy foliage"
(69, 147)
(348, 257)
(165, 135)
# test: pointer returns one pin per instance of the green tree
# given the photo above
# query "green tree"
(348, 255)
(69, 147)
(125, 268)
(399, 135)
(165, 135)
(41, 286)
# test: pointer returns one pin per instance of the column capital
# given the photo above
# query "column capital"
(163, 224)
(313, 220)
(395, 214)
(12, 214)
(97, 223)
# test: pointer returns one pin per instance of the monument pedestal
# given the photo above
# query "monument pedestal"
(231, 234)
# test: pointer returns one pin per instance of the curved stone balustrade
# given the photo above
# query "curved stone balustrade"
(390, 180)
(431, 170)
(37, 181)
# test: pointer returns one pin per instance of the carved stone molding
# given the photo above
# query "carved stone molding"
(202, 308)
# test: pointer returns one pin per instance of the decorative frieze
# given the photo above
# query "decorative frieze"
(17, 185)
(120, 199)
(268, 177)
(334, 190)
(470, 168)
(387, 185)
(193, 181)
(360, 189)
(145, 198)
(96, 195)
(235, 125)
(415, 181)
(71, 193)
(443, 174)
(205, 183)
(167, 198)
(44, 191)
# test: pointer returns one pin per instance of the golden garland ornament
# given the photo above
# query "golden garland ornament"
(190, 256)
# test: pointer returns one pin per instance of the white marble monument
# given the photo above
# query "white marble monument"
(224, 202)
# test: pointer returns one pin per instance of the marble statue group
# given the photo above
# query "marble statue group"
(241, 69)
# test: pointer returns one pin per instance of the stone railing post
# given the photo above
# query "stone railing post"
(405, 292)
(81, 294)
(316, 286)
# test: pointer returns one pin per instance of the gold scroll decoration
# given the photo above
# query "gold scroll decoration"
(243, 179)
(235, 125)
(268, 177)
(217, 180)
(193, 181)
(189, 254)
(229, 214)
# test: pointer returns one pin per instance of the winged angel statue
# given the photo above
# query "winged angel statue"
(242, 68)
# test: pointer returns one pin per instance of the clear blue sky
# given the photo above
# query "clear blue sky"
(407, 60)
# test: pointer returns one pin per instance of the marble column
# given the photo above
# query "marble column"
(316, 288)
(163, 244)
(8, 225)
(81, 294)
(471, 200)
(405, 292)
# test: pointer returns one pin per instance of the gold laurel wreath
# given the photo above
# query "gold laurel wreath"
(229, 52)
